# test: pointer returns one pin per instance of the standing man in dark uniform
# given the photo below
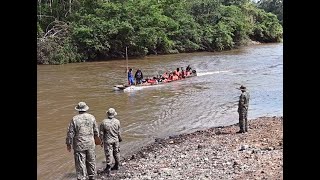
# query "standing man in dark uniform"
(243, 109)
(138, 76)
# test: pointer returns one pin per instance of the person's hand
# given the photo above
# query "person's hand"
(69, 148)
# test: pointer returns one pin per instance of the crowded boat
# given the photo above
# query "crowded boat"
(166, 77)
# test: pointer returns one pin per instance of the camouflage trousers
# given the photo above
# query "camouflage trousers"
(243, 120)
(112, 150)
(85, 162)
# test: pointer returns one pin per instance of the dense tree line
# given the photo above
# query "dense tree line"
(273, 6)
(83, 30)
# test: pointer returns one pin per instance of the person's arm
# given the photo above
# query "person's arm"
(241, 102)
(97, 139)
(119, 133)
(70, 135)
(246, 101)
(95, 128)
(101, 133)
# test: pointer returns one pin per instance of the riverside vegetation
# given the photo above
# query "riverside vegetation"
(87, 30)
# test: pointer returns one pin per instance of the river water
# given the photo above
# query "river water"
(196, 103)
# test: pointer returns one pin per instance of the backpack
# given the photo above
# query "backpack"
(138, 75)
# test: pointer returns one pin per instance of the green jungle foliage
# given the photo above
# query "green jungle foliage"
(87, 30)
(273, 6)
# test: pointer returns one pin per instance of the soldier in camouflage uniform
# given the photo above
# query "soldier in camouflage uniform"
(81, 131)
(243, 110)
(110, 136)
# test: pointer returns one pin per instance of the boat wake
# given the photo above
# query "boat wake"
(209, 73)
(135, 88)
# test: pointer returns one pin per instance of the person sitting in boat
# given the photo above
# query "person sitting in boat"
(177, 72)
(145, 81)
(139, 76)
(130, 77)
(188, 68)
(150, 81)
(188, 71)
(160, 79)
(183, 73)
(155, 80)
(170, 78)
(165, 75)
(175, 76)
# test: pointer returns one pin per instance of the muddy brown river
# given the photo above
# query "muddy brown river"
(208, 100)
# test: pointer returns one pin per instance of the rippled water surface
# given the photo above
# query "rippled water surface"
(208, 100)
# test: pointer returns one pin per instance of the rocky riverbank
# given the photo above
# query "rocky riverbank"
(215, 153)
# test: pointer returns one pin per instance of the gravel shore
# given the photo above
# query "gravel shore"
(215, 153)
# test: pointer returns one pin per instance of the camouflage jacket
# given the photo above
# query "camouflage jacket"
(244, 101)
(81, 131)
(110, 130)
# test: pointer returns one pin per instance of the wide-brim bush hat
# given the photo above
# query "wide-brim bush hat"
(111, 112)
(82, 106)
(242, 87)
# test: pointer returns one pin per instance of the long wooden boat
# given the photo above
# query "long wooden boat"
(125, 87)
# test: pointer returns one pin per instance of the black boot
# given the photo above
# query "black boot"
(115, 167)
(241, 131)
(107, 170)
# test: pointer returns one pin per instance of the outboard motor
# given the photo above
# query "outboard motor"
(194, 72)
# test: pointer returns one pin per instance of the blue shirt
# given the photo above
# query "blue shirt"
(130, 75)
